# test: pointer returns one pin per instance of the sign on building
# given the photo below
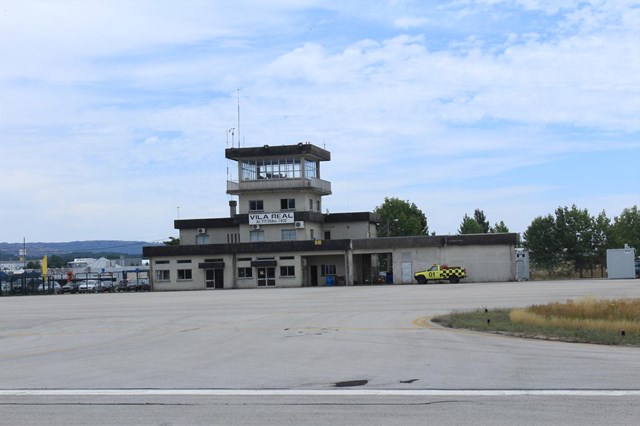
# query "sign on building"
(270, 218)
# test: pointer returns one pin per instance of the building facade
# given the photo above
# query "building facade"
(277, 236)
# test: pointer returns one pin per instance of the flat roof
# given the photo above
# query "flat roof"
(307, 150)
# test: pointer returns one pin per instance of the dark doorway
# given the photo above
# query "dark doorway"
(214, 278)
(314, 275)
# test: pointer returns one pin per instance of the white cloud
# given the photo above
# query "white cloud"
(111, 107)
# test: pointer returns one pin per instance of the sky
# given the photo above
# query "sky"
(114, 115)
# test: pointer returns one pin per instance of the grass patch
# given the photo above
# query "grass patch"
(600, 321)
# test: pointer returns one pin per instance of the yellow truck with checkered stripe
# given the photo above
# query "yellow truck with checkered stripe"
(436, 272)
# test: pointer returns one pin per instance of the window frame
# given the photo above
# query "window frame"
(162, 274)
(328, 270)
(287, 203)
(185, 274)
(289, 271)
(245, 272)
(291, 234)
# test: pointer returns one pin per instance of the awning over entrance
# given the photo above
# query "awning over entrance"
(211, 265)
(263, 263)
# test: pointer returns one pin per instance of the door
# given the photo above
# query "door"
(219, 278)
(214, 278)
(209, 278)
(314, 275)
(266, 276)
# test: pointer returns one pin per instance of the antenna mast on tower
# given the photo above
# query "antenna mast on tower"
(238, 118)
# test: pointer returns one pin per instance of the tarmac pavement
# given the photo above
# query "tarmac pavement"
(142, 358)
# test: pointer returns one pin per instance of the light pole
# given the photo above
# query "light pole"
(389, 222)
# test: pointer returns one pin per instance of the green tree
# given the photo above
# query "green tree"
(33, 265)
(541, 240)
(400, 218)
(626, 229)
(481, 219)
(601, 240)
(574, 229)
(470, 226)
(499, 227)
(55, 261)
(172, 241)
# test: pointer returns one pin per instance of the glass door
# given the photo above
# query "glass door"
(266, 276)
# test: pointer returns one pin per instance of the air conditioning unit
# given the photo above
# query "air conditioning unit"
(299, 224)
(255, 226)
(202, 230)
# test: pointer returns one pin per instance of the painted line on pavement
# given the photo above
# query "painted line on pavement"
(327, 392)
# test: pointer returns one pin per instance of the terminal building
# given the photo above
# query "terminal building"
(277, 236)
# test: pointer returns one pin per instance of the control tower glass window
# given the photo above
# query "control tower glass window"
(271, 168)
(310, 169)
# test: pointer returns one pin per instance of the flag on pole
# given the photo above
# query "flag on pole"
(44, 267)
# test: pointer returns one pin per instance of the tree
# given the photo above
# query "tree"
(601, 240)
(400, 218)
(626, 228)
(56, 261)
(541, 240)
(172, 241)
(481, 219)
(499, 227)
(574, 229)
(470, 226)
(478, 224)
(33, 265)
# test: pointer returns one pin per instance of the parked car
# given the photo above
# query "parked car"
(70, 287)
(139, 285)
(88, 286)
(122, 286)
(53, 287)
(105, 286)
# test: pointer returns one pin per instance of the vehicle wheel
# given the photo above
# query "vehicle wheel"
(454, 280)
(421, 279)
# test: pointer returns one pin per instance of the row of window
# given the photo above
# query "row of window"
(285, 204)
(278, 168)
(186, 274)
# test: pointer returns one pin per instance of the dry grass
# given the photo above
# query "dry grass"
(603, 321)
(588, 313)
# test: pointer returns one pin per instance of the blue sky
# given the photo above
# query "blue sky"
(115, 113)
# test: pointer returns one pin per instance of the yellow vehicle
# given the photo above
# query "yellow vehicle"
(453, 274)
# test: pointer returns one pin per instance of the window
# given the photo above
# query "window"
(163, 275)
(287, 257)
(328, 270)
(202, 239)
(161, 262)
(184, 274)
(310, 169)
(256, 235)
(271, 168)
(256, 205)
(288, 234)
(245, 272)
(318, 205)
(184, 261)
(310, 204)
(312, 235)
(287, 271)
(287, 203)
(327, 235)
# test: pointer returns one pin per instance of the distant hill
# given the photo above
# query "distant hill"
(131, 248)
